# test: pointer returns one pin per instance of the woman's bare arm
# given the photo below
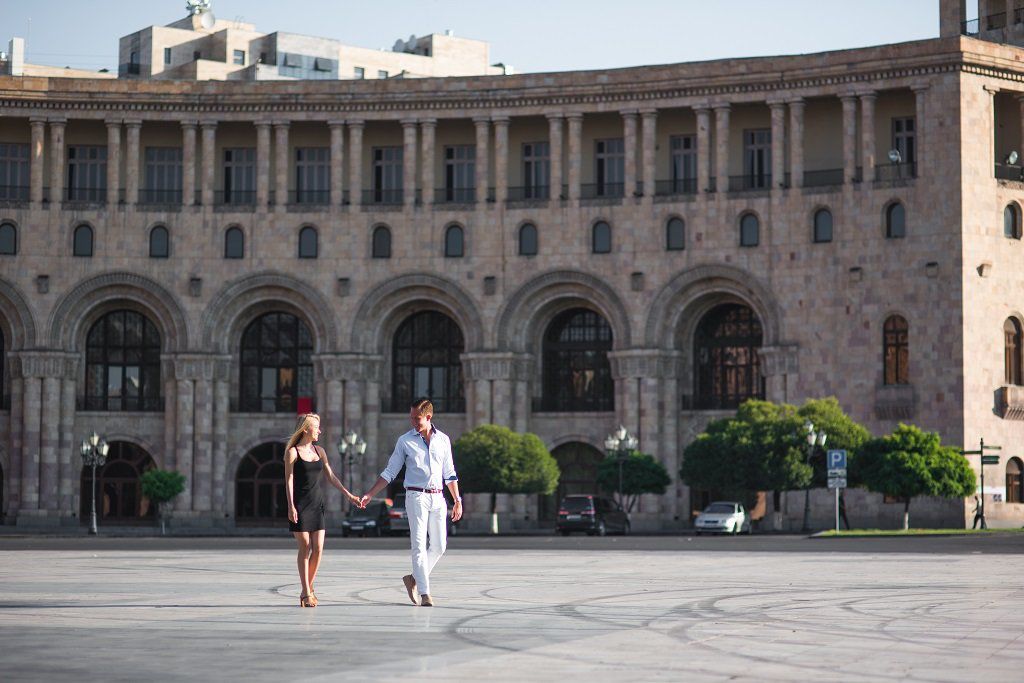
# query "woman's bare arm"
(289, 478)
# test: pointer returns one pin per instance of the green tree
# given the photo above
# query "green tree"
(912, 462)
(641, 473)
(161, 487)
(494, 459)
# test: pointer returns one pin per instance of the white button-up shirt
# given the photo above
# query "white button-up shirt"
(426, 467)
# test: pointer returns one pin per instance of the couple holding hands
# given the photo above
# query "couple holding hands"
(426, 454)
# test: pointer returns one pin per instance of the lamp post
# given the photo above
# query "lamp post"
(353, 446)
(619, 445)
(94, 452)
(814, 438)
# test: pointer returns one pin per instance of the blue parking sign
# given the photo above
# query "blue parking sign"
(837, 459)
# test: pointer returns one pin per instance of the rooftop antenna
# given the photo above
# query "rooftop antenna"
(204, 10)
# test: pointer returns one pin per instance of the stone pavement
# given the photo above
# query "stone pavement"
(512, 615)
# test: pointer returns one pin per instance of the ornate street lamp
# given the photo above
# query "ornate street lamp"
(353, 446)
(94, 453)
(619, 445)
(815, 438)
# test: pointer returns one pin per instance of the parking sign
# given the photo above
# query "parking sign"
(837, 459)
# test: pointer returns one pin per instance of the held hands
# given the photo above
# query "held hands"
(457, 511)
(293, 515)
(362, 502)
(355, 500)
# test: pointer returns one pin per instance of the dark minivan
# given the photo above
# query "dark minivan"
(591, 514)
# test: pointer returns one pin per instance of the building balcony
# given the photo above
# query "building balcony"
(995, 21)
(14, 195)
(896, 172)
(85, 196)
(163, 198)
(455, 195)
(675, 188)
(1009, 172)
(382, 197)
(529, 193)
(309, 198)
(1010, 402)
(826, 178)
(602, 190)
(750, 182)
(235, 199)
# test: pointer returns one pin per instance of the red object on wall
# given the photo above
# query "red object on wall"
(305, 404)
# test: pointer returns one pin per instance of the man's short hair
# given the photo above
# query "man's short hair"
(423, 406)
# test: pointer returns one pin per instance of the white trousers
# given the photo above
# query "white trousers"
(427, 514)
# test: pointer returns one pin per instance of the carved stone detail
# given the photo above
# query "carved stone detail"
(1010, 402)
(895, 402)
(347, 367)
(650, 363)
(44, 364)
(780, 360)
(497, 366)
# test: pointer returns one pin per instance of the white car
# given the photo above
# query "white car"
(723, 517)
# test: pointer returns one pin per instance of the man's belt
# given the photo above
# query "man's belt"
(417, 488)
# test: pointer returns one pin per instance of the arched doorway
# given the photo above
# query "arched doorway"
(119, 496)
(259, 486)
(578, 463)
(728, 368)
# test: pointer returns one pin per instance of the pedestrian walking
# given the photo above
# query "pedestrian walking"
(426, 454)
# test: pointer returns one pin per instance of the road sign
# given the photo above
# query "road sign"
(837, 482)
(836, 459)
(990, 460)
(837, 472)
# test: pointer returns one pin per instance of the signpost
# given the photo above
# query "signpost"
(836, 463)
(985, 460)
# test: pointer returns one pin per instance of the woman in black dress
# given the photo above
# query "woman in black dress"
(305, 468)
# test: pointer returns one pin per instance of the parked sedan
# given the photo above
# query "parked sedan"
(593, 515)
(723, 517)
(373, 520)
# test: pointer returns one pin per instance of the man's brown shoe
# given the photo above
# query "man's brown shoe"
(410, 587)
(425, 601)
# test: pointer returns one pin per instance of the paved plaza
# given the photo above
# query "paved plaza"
(530, 609)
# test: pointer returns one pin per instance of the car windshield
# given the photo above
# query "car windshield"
(576, 504)
(720, 509)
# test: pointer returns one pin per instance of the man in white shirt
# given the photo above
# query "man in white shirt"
(426, 454)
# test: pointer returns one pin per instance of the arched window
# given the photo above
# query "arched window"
(1014, 481)
(118, 486)
(425, 362)
(8, 239)
(822, 225)
(308, 242)
(122, 363)
(728, 366)
(234, 243)
(83, 241)
(675, 234)
(896, 344)
(159, 242)
(750, 230)
(1012, 351)
(1011, 222)
(528, 240)
(381, 242)
(276, 365)
(602, 238)
(259, 485)
(454, 246)
(895, 221)
(576, 373)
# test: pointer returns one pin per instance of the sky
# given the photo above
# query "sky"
(531, 35)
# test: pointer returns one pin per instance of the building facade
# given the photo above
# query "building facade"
(185, 265)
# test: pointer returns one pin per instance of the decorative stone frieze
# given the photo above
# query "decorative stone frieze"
(497, 366)
(44, 364)
(780, 360)
(347, 367)
(651, 363)
(192, 366)
(895, 402)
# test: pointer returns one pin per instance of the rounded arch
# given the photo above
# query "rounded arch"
(309, 242)
(159, 241)
(380, 241)
(8, 237)
(16, 320)
(696, 290)
(239, 451)
(454, 240)
(528, 238)
(749, 223)
(240, 301)
(259, 485)
(83, 239)
(894, 218)
(79, 308)
(675, 232)
(578, 460)
(1012, 221)
(535, 303)
(822, 224)
(119, 495)
(384, 307)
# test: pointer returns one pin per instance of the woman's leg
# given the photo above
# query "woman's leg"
(316, 548)
(303, 559)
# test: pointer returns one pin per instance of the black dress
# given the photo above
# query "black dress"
(308, 493)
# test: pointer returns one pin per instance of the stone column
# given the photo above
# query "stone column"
(849, 138)
(778, 113)
(188, 163)
(521, 404)
(334, 415)
(501, 124)
(629, 144)
(555, 156)
(428, 135)
(921, 148)
(722, 148)
(209, 173)
(31, 397)
(409, 162)
(56, 162)
(867, 126)
(38, 126)
(703, 149)
(203, 448)
(483, 141)
(49, 442)
(113, 162)
(16, 442)
(132, 161)
(649, 135)
(575, 159)
(70, 464)
(282, 162)
(221, 407)
(337, 129)
(796, 142)
(263, 164)
(355, 163)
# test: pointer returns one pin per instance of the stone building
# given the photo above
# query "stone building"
(187, 264)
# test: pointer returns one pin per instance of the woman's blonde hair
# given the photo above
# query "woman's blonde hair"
(305, 422)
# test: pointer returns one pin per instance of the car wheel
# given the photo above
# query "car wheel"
(601, 530)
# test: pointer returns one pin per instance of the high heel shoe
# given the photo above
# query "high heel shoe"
(313, 602)
(304, 601)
